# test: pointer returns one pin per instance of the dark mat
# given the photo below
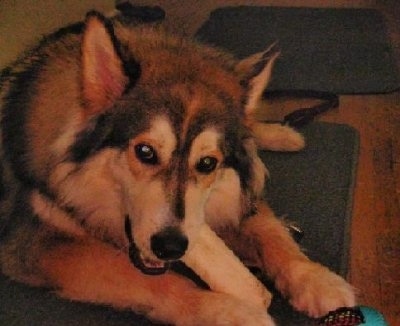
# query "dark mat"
(313, 188)
(344, 51)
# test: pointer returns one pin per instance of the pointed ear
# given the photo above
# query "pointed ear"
(103, 75)
(256, 72)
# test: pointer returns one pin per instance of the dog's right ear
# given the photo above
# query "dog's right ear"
(104, 75)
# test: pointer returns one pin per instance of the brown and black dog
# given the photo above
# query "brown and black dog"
(118, 143)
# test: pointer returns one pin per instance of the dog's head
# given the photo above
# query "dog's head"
(162, 142)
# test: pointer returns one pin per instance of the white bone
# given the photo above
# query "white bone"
(222, 270)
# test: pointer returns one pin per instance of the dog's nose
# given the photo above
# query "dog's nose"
(169, 244)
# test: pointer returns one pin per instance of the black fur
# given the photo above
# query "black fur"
(130, 116)
(15, 108)
(130, 66)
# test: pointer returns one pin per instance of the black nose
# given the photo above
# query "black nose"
(169, 244)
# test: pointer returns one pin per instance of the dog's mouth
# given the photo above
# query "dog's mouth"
(146, 266)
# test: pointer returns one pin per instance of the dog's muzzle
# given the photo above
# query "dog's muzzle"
(168, 245)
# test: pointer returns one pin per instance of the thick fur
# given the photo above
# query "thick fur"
(118, 143)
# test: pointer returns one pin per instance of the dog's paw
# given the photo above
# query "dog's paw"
(243, 315)
(316, 290)
(219, 309)
(276, 137)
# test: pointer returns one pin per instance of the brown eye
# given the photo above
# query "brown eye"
(146, 154)
(206, 164)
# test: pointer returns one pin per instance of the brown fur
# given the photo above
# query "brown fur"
(82, 106)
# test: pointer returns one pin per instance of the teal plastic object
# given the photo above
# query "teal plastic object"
(372, 317)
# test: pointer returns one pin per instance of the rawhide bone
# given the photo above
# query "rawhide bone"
(223, 271)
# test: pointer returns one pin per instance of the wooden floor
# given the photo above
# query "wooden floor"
(375, 245)
(375, 233)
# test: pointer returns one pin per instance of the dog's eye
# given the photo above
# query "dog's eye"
(206, 164)
(146, 154)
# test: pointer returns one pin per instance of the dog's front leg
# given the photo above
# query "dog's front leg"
(92, 271)
(310, 287)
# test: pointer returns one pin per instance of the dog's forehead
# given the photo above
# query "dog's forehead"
(182, 67)
(199, 139)
(186, 111)
(164, 58)
(195, 86)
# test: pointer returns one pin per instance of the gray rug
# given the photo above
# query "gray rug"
(344, 51)
(312, 188)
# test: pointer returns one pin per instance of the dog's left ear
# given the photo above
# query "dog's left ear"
(104, 77)
(256, 73)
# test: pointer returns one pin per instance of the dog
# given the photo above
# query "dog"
(118, 142)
